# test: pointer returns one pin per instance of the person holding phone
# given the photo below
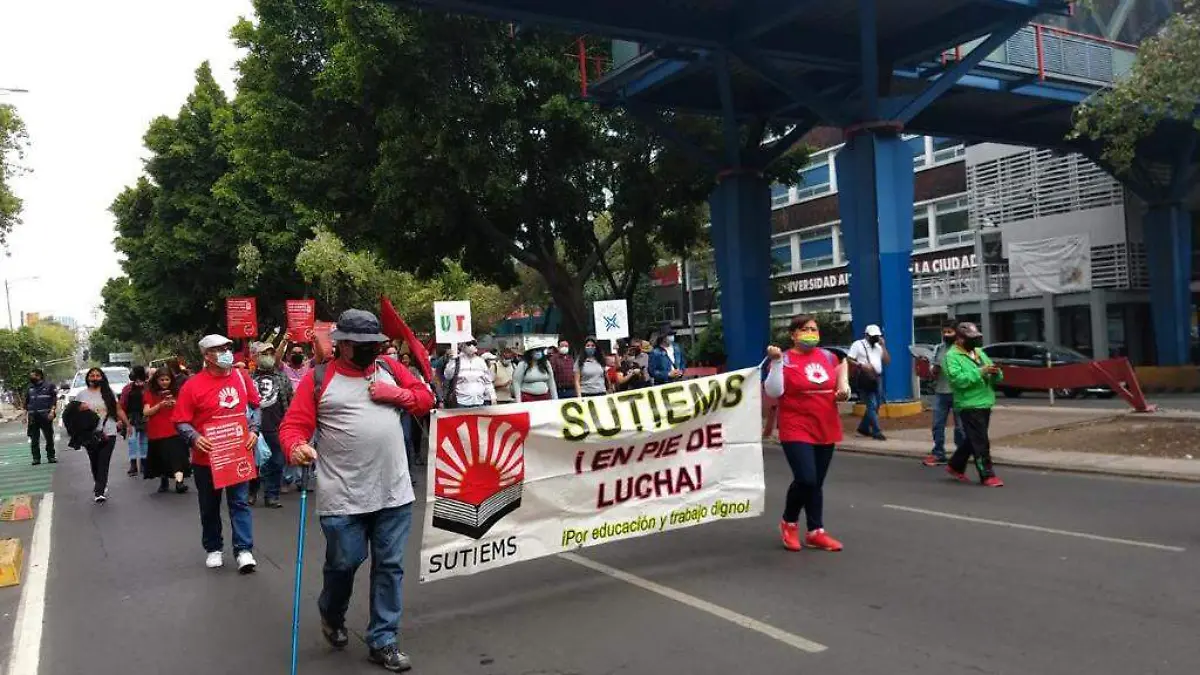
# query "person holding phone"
(973, 378)
(631, 374)
(168, 454)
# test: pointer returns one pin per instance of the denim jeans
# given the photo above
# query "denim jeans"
(270, 474)
(348, 539)
(943, 407)
(100, 456)
(810, 465)
(240, 518)
(138, 444)
(410, 444)
(870, 420)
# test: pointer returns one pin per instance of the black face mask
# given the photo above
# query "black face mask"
(364, 354)
(34, 381)
(94, 384)
(297, 359)
(948, 339)
(973, 343)
(873, 340)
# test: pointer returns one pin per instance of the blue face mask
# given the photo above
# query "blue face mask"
(539, 355)
(590, 351)
(225, 359)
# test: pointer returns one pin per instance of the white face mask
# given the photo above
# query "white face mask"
(470, 350)
(670, 340)
(564, 350)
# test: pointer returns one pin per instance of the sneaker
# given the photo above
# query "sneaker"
(957, 475)
(246, 562)
(252, 499)
(272, 503)
(879, 437)
(865, 434)
(934, 460)
(181, 488)
(391, 658)
(336, 636)
(37, 462)
(214, 559)
(100, 499)
(52, 460)
(163, 487)
(790, 533)
(819, 539)
(993, 481)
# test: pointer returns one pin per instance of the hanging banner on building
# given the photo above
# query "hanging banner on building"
(522, 481)
(612, 319)
(452, 321)
(241, 317)
(301, 316)
(1056, 265)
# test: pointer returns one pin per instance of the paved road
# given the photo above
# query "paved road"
(913, 592)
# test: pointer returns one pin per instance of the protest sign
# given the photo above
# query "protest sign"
(452, 321)
(612, 319)
(521, 481)
(241, 317)
(301, 315)
(231, 460)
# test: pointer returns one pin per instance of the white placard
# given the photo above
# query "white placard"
(521, 481)
(452, 321)
(612, 319)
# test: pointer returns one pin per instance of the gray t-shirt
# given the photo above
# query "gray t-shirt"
(939, 360)
(95, 401)
(591, 377)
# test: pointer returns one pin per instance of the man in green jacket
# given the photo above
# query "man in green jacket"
(973, 377)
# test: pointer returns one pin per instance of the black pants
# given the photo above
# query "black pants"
(975, 426)
(810, 464)
(41, 425)
(100, 455)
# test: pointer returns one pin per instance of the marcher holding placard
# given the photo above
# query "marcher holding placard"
(808, 381)
(216, 400)
(366, 494)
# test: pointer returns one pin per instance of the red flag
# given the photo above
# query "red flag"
(395, 328)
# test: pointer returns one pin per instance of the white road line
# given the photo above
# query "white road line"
(27, 630)
(1037, 528)
(692, 601)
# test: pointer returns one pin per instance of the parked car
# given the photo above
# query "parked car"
(1037, 355)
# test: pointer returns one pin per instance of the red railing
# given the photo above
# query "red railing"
(590, 66)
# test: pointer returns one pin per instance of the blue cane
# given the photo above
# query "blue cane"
(305, 476)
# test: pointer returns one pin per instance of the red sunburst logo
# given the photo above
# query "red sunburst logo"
(480, 471)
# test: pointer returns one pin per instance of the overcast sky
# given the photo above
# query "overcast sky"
(97, 73)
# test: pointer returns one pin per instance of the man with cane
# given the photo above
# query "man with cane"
(366, 495)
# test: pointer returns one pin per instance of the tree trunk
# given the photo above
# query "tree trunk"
(567, 292)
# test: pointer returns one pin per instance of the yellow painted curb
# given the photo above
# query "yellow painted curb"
(1168, 379)
(10, 562)
(892, 410)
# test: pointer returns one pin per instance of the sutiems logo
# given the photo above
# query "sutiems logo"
(480, 471)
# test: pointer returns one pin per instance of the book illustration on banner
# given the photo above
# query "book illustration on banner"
(480, 471)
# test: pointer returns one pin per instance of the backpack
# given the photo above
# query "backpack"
(319, 377)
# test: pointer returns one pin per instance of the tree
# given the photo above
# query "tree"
(32, 347)
(1164, 84)
(13, 140)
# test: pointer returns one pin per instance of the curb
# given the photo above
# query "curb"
(1155, 474)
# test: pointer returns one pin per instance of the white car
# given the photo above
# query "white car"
(118, 379)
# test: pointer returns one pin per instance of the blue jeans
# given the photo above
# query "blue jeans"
(270, 474)
(943, 407)
(810, 465)
(870, 420)
(408, 423)
(347, 541)
(138, 445)
(240, 520)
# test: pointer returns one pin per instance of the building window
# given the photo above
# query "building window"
(668, 311)
(783, 310)
(816, 248)
(781, 256)
(920, 227)
(814, 180)
(702, 274)
(821, 305)
(953, 228)
(781, 195)
(947, 149)
(917, 144)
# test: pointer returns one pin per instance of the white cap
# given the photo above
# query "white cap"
(874, 331)
(214, 340)
(488, 356)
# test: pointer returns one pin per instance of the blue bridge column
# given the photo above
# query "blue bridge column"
(1168, 235)
(875, 184)
(741, 234)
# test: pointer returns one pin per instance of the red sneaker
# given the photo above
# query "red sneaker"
(790, 532)
(933, 460)
(819, 539)
(957, 475)
(994, 481)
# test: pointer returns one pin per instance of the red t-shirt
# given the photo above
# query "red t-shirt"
(159, 425)
(808, 411)
(206, 398)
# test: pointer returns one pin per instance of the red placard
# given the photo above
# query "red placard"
(301, 315)
(241, 317)
(231, 460)
(322, 342)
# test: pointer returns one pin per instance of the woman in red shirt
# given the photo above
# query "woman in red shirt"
(168, 454)
(808, 381)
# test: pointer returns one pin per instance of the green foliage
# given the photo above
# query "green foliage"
(1164, 84)
(29, 347)
(13, 140)
(709, 347)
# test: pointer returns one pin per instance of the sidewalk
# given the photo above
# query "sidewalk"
(1012, 421)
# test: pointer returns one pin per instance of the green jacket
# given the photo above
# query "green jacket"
(972, 389)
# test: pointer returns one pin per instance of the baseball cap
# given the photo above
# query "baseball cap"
(214, 340)
(260, 347)
(874, 331)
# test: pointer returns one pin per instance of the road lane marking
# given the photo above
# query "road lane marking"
(692, 601)
(27, 630)
(1037, 528)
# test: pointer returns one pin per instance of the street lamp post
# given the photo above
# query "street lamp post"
(8, 298)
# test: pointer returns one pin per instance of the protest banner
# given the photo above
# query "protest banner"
(611, 318)
(452, 321)
(232, 462)
(301, 315)
(322, 339)
(521, 481)
(241, 317)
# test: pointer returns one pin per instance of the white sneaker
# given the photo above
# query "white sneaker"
(214, 560)
(246, 562)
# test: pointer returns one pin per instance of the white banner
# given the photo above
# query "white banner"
(521, 481)
(611, 318)
(452, 321)
(1057, 265)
